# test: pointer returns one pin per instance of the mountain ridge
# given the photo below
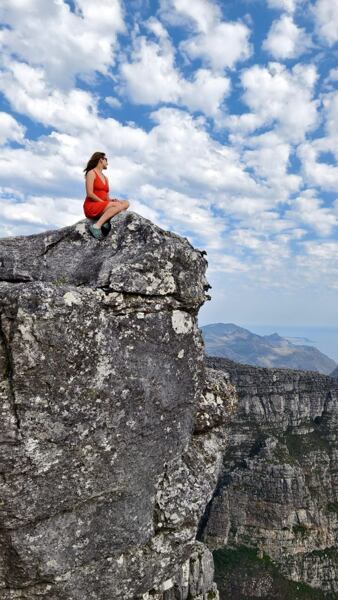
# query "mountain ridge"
(228, 340)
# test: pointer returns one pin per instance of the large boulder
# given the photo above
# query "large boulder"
(101, 372)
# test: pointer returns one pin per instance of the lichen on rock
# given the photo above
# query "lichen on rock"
(124, 461)
(101, 366)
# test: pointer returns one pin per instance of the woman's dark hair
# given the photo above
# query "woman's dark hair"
(93, 161)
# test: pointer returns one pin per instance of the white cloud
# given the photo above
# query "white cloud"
(185, 152)
(186, 215)
(258, 155)
(318, 262)
(309, 211)
(202, 13)
(10, 129)
(330, 103)
(272, 250)
(205, 92)
(222, 46)
(285, 39)
(280, 98)
(27, 91)
(113, 102)
(226, 263)
(18, 215)
(315, 172)
(333, 75)
(319, 156)
(108, 20)
(64, 44)
(324, 251)
(287, 5)
(326, 20)
(151, 78)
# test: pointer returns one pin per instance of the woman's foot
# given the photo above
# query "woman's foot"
(96, 233)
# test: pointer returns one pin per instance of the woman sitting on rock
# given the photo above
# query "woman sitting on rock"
(97, 204)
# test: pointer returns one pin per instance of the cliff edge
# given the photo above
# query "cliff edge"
(101, 367)
(127, 457)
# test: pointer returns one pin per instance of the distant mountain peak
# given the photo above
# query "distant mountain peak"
(273, 337)
(228, 340)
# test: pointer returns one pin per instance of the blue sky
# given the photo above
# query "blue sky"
(220, 121)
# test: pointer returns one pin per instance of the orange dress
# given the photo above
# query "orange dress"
(93, 208)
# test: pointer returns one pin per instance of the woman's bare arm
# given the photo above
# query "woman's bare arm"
(90, 177)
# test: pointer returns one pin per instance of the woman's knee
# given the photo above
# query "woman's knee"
(123, 205)
(110, 211)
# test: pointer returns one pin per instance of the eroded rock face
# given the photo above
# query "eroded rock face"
(101, 369)
(118, 448)
(278, 493)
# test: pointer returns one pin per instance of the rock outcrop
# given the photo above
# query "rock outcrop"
(124, 461)
(274, 516)
(101, 372)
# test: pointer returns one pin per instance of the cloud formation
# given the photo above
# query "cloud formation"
(63, 43)
(285, 39)
(213, 129)
(152, 78)
(326, 20)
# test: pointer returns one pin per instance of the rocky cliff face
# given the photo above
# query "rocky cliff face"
(101, 370)
(124, 462)
(274, 515)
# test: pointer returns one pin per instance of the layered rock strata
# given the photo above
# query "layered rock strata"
(278, 493)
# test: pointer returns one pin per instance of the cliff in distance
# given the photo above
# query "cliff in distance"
(273, 520)
(126, 459)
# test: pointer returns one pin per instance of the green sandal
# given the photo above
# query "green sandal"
(96, 233)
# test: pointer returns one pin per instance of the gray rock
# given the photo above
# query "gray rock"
(278, 492)
(118, 448)
(101, 368)
(136, 258)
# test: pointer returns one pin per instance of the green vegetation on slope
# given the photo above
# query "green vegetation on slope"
(242, 575)
(301, 445)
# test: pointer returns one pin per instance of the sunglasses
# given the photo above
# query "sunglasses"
(104, 158)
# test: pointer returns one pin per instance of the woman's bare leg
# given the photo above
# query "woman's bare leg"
(112, 209)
